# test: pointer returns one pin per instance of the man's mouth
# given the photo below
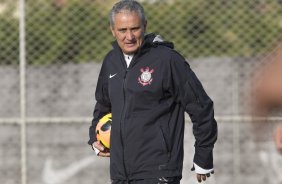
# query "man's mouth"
(130, 44)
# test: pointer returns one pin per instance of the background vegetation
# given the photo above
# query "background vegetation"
(60, 31)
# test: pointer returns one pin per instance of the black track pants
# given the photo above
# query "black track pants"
(162, 180)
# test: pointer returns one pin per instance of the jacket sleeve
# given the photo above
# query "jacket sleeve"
(189, 92)
(103, 105)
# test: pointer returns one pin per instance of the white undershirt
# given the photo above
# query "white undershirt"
(128, 59)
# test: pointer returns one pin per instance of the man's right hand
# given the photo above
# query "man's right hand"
(104, 152)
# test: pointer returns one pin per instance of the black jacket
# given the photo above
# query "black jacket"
(148, 100)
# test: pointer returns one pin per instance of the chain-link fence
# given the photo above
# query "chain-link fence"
(50, 56)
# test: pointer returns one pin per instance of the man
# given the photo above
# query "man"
(148, 86)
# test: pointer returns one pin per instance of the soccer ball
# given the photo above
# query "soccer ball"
(103, 130)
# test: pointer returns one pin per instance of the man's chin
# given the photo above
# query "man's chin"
(130, 52)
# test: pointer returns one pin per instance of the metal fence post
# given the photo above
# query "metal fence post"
(22, 90)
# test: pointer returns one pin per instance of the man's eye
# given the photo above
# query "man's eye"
(122, 30)
(135, 29)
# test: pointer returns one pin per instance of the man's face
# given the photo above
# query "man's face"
(128, 31)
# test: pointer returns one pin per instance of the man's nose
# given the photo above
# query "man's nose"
(129, 35)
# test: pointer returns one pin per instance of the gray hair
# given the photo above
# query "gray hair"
(127, 5)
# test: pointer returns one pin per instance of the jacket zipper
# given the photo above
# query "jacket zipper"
(122, 124)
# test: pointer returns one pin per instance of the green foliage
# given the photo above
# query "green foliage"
(79, 32)
(218, 27)
(73, 33)
(9, 37)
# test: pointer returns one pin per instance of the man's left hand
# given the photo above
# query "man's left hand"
(203, 177)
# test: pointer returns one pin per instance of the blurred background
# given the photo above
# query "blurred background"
(50, 57)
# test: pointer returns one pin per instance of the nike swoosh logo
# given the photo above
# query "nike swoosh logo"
(58, 176)
(111, 76)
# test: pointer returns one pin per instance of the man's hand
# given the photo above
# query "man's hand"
(278, 138)
(203, 177)
(104, 152)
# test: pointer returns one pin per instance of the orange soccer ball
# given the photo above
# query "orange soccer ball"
(103, 130)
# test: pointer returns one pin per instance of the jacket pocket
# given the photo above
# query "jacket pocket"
(164, 142)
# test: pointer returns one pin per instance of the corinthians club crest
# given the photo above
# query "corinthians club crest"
(146, 76)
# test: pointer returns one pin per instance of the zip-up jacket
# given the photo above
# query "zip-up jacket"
(148, 100)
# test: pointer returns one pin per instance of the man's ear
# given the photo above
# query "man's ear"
(112, 30)
(145, 26)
